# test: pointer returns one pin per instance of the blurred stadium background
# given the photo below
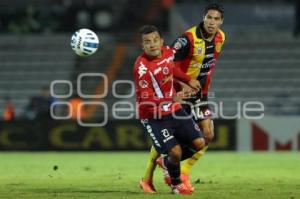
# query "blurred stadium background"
(259, 62)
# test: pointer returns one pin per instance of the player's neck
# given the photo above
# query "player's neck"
(153, 57)
(206, 36)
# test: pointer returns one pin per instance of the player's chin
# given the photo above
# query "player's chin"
(154, 53)
(212, 32)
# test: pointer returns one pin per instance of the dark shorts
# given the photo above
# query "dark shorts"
(198, 107)
(169, 131)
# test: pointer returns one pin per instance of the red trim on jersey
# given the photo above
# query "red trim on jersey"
(185, 63)
(218, 39)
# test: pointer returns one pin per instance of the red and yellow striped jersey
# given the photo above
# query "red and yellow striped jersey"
(196, 56)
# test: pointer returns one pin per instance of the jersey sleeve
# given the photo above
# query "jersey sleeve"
(180, 75)
(182, 47)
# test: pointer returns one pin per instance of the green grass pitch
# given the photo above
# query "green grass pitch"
(116, 175)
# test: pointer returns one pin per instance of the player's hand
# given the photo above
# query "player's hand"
(195, 84)
(178, 97)
(181, 95)
(185, 93)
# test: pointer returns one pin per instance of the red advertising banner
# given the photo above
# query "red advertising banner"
(269, 134)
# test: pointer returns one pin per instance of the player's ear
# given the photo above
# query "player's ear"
(141, 43)
(222, 20)
(162, 41)
(142, 46)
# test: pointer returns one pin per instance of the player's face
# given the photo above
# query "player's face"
(212, 21)
(152, 44)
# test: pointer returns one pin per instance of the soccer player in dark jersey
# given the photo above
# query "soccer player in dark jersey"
(159, 112)
(196, 53)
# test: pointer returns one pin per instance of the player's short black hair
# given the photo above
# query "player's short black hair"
(146, 29)
(214, 6)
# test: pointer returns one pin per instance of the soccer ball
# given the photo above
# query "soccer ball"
(84, 42)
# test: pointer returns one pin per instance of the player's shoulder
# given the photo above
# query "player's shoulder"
(190, 34)
(140, 66)
(191, 29)
(168, 50)
(140, 60)
(220, 35)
